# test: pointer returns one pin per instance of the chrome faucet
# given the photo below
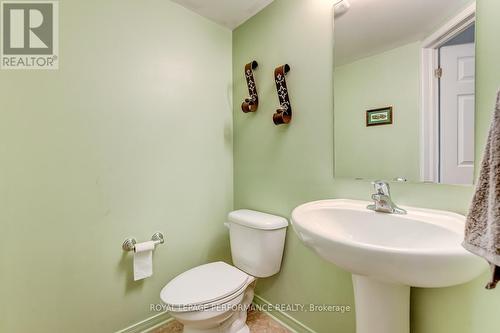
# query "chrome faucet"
(382, 199)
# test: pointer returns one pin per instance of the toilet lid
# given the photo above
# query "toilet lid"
(203, 284)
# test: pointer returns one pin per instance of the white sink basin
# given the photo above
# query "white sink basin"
(387, 253)
(421, 249)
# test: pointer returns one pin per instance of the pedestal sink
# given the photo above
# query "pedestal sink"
(386, 254)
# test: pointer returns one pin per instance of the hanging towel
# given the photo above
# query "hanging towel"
(482, 229)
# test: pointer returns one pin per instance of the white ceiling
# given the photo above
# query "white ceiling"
(374, 26)
(230, 13)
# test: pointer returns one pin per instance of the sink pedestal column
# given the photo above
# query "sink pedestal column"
(381, 307)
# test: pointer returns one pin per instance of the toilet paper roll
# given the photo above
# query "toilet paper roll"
(143, 260)
(145, 246)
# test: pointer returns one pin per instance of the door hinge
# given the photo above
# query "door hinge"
(438, 72)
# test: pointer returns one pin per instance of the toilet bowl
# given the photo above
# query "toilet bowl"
(210, 298)
(215, 297)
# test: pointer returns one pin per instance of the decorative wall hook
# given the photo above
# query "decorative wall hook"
(284, 114)
(251, 103)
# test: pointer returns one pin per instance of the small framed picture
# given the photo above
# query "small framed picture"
(381, 116)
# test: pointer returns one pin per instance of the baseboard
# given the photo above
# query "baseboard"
(163, 318)
(148, 324)
(283, 318)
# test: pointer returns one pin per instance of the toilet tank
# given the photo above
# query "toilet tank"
(257, 241)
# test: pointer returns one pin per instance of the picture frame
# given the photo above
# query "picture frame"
(379, 116)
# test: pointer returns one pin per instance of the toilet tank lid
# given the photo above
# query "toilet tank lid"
(257, 220)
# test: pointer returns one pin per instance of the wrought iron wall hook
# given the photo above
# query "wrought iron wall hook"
(283, 114)
(251, 103)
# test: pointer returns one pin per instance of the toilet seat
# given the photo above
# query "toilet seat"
(204, 286)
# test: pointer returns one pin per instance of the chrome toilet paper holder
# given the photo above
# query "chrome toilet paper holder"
(129, 243)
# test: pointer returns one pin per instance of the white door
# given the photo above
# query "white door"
(457, 114)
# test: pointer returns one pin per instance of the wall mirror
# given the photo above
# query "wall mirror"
(404, 90)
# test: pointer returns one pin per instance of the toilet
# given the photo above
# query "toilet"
(214, 297)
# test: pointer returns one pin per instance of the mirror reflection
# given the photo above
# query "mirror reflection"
(404, 90)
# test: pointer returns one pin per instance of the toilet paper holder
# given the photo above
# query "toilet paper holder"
(129, 243)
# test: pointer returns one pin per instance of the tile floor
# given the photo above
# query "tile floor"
(258, 322)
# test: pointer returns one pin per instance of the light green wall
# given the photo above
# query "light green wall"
(277, 168)
(388, 78)
(132, 135)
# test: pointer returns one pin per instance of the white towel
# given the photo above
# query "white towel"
(482, 229)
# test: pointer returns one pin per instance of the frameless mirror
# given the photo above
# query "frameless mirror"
(404, 90)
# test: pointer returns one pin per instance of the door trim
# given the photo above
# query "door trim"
(429, 85)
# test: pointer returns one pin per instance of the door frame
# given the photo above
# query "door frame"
(429, 103)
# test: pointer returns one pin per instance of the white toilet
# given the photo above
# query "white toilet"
(213, 298)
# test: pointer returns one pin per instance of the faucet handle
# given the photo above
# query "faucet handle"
(383, 202)
(382, 187)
